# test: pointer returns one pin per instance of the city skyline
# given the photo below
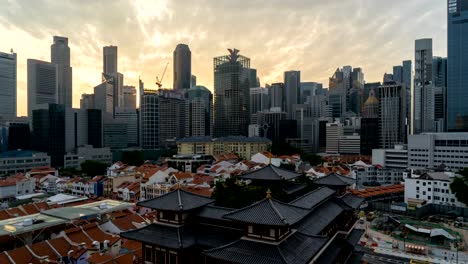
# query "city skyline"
(320, 37)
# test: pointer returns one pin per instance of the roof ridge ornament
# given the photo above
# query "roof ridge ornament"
(268, 194)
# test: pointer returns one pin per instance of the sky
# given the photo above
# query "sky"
(313, 36)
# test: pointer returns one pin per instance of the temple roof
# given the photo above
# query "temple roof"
(313, 198)
(320, 218)
(334, 179)
(270, 173)
(351, 201)
(269, 212)
(177, 200)
(214, 212)
(297, 248)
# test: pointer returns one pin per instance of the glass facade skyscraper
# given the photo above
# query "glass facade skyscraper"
(457, 65)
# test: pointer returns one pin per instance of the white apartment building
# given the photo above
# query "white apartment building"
(430, 187)
(16, 185)
(372, 175)
(429, 150)
(395, 158)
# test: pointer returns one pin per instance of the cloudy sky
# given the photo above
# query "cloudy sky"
(313, 36)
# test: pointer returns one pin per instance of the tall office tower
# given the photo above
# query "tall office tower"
(392, 111)
(308, 89)
(276, 91)
(149, 118)
(439, 82)
(269, 122)
(193, 81)
(42, 84)
(200, 112)
(439, 71)
(103, 97)
(114, 132)
(95, 128)
(337, 93)
(14, 134)
(388, 77)
(398, 74)
(292, 84)
(402, 75)
(130, 96)
(370, 124)
(60, 55)
(232, 80)
(259, 100)
(129, 116)
(182, 67)
(423, 102)
(354, 95)
(87, 101)
(112, 76)
(369, 87)
(457, 67)
(172, 116)
(8, 67)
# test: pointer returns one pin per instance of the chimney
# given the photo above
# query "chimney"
(96, 245)
(106, 244)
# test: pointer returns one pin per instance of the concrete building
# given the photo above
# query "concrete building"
(375, 175)
(244, 147)
(182, 67)
(149, 118)
(430, 188)
(233, 78)
(114, 133)
(308, 89)
(292, 84)
(339, 143)
(334, 133)
(42, 84)
(8, 66)
(394, 158)
(429, 150)
(87, 101)
(16, 185)
(457, 66)
(130, 96)
(104, 98)
(60, 55)
(276, 94)
(87, 152)
(423, 104)
(259, 100)
(129, 117)
(21, 161)
(200, 112)
(269, 123)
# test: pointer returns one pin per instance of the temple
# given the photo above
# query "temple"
(314, 228)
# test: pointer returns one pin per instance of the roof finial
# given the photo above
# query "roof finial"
(268, 196)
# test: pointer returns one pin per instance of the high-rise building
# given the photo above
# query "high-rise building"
(402, 75)
(370, 124)
(112, 76)
(200, 112)
(42, 84)
(292, 84)
(232, 82)
(423, 102)
(193, 81)
(259, 100)
(115, 132)
(354, 95)
(337, 93)
(392, 111)
(95, 128)
(103, 97)
(308, 89)
(172, 116)
(60, 55)
(130, 96)
(149, 118)
(8, 87)
(439, 82)
(15, 135)
(457, 65)
(129, 117)
(87, 101)
(276, 94)
(110, 60)
(182, 67)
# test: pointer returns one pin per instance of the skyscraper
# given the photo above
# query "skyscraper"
(42, 84)
(112, 76)
(439, 82)
(354, 97)
(232, 80)
(423, 102)
(172, 114)
(182, 67)
(402, 75)
(276, 94)
(129, 96)
(292, 84)
(110, 60)
(149, 118)
(308, 89)
(129, 116)
(259, 100)
(457, 67)
(200, 112)
(60, 55)
(8, 87)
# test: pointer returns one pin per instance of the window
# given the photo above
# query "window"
(148, 254)
(250, 229)
(272, 232)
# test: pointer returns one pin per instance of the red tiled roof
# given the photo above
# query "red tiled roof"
(98, 235)
(4, 258)
(200, 191)
(131, 245)
(23, 255)
(376, 191)
(199, 179)
(99, 258)
(13, 212)
(4, 215)
(43, 249)
(42, 206)
(126, 223)
(63, 247)
(124, 259)
(41, 169)
(30, 208)
(77, 236)
(182, 175)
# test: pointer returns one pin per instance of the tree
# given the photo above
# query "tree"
(133, 158)
(459, 186)
(93, 168)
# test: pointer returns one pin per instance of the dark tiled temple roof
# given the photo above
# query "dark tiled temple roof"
(177, 200)
(173, 237)
(297, 248)
(269, 212)
(209, 236)
(355, 235)
(270, 173)
(313, 198)
(351, 201)
(214, 212)
(338, 248)
(334, 179)
(320, 218)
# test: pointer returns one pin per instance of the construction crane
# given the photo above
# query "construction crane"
(158, 81)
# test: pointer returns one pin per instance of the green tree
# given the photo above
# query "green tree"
(133, 158)
(459, 186)
(93, 168)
